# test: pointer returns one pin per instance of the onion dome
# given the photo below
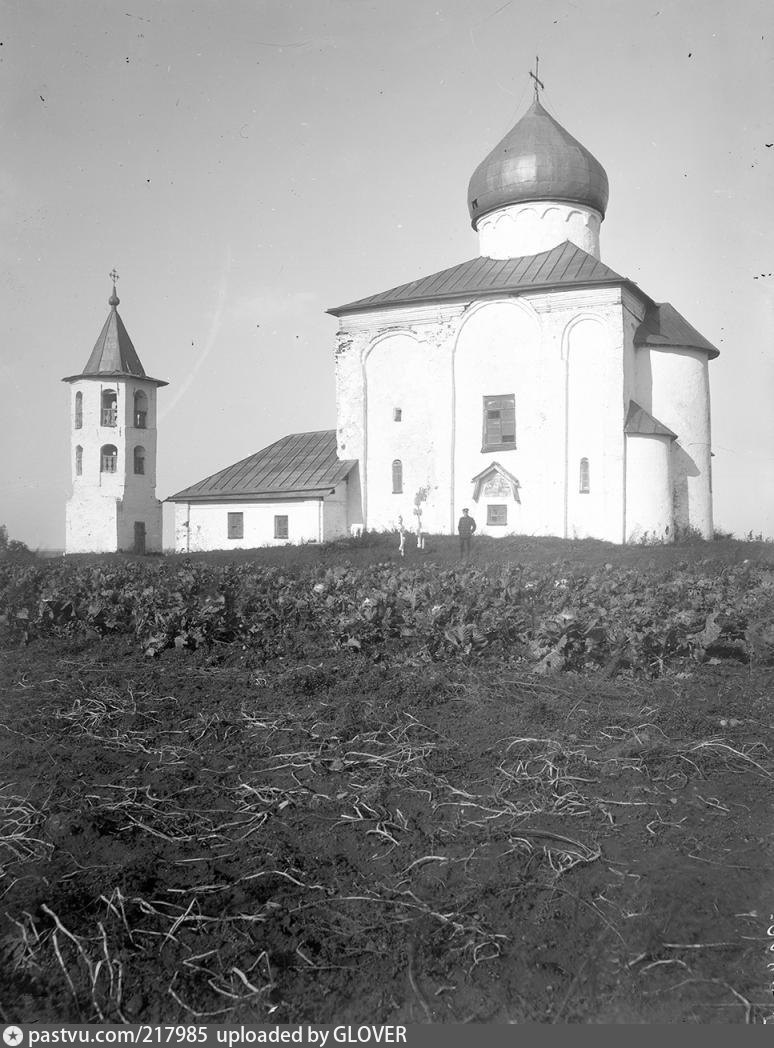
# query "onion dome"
(537, 160)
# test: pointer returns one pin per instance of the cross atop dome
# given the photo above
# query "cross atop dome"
(538, 83)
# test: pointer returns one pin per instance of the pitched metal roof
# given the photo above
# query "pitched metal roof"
(664, 326)
(564, 266)
(113, 354)
(300, 465)
(537, 160)
(642, 423)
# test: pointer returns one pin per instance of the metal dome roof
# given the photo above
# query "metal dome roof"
(537, 160)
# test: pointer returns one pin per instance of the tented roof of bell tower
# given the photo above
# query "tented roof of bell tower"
(113, 351)
(113, 354)
(537, 160)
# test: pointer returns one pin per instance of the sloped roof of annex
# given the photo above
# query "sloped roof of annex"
(299, 465)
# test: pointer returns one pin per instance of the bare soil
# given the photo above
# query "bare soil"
(194, 837)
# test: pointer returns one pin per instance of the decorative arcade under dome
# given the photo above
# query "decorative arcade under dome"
(113, 505)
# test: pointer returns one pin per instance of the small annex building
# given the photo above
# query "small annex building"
(296, 490)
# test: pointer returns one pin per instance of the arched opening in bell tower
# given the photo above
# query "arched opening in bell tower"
(109, 407)
(108, 458)
(140, 410)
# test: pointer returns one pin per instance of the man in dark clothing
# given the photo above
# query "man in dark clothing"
(466, 526)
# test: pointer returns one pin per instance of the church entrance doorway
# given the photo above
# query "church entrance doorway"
(139, 537)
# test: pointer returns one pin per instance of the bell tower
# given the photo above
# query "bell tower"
(113, 506)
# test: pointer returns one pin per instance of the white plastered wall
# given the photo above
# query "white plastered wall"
(649, 513)
(103, 508)
(498, 352)
(673, 385)
(594, 426)
(201, 526)
(527, 229)
(335, 513)
(437, 362)
(409, 374)
(91, 524)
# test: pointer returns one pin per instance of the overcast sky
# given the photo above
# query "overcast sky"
(246, 165)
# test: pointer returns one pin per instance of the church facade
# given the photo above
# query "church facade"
(533, 384)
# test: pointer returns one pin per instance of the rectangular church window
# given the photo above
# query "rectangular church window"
(499, 423)
(281, 527)
(397, 414)
(236, 525)
(497, 515)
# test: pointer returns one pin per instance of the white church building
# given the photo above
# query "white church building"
(113, 505)
(532, 384)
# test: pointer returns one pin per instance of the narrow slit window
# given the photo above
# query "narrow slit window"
(397, 477)
(499, 423)
(139, 461)
(79, 410)
(236, 525)
(397, 414)
(79, 461)
(281, 526)
(584, 486)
